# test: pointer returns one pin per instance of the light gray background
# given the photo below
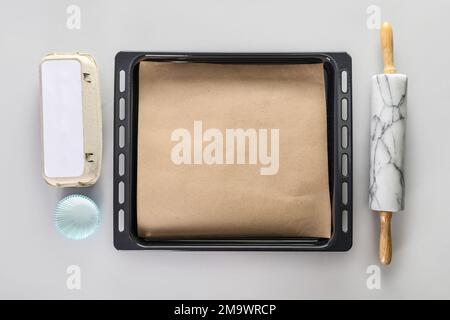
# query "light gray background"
(34, 257)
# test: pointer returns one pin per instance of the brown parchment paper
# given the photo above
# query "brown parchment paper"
(233, 200)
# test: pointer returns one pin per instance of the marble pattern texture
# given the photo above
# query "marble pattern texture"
(387, 142)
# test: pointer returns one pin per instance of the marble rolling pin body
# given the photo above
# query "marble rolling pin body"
(387, 136)
(387, 133)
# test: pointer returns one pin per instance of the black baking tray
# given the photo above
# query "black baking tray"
(338, 75)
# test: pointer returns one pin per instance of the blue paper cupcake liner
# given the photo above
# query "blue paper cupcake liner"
(76, 217)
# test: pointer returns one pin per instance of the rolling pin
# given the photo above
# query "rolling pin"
(387, 137)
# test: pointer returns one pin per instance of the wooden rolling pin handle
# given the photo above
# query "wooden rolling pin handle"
(387, 45)
(385, 238)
